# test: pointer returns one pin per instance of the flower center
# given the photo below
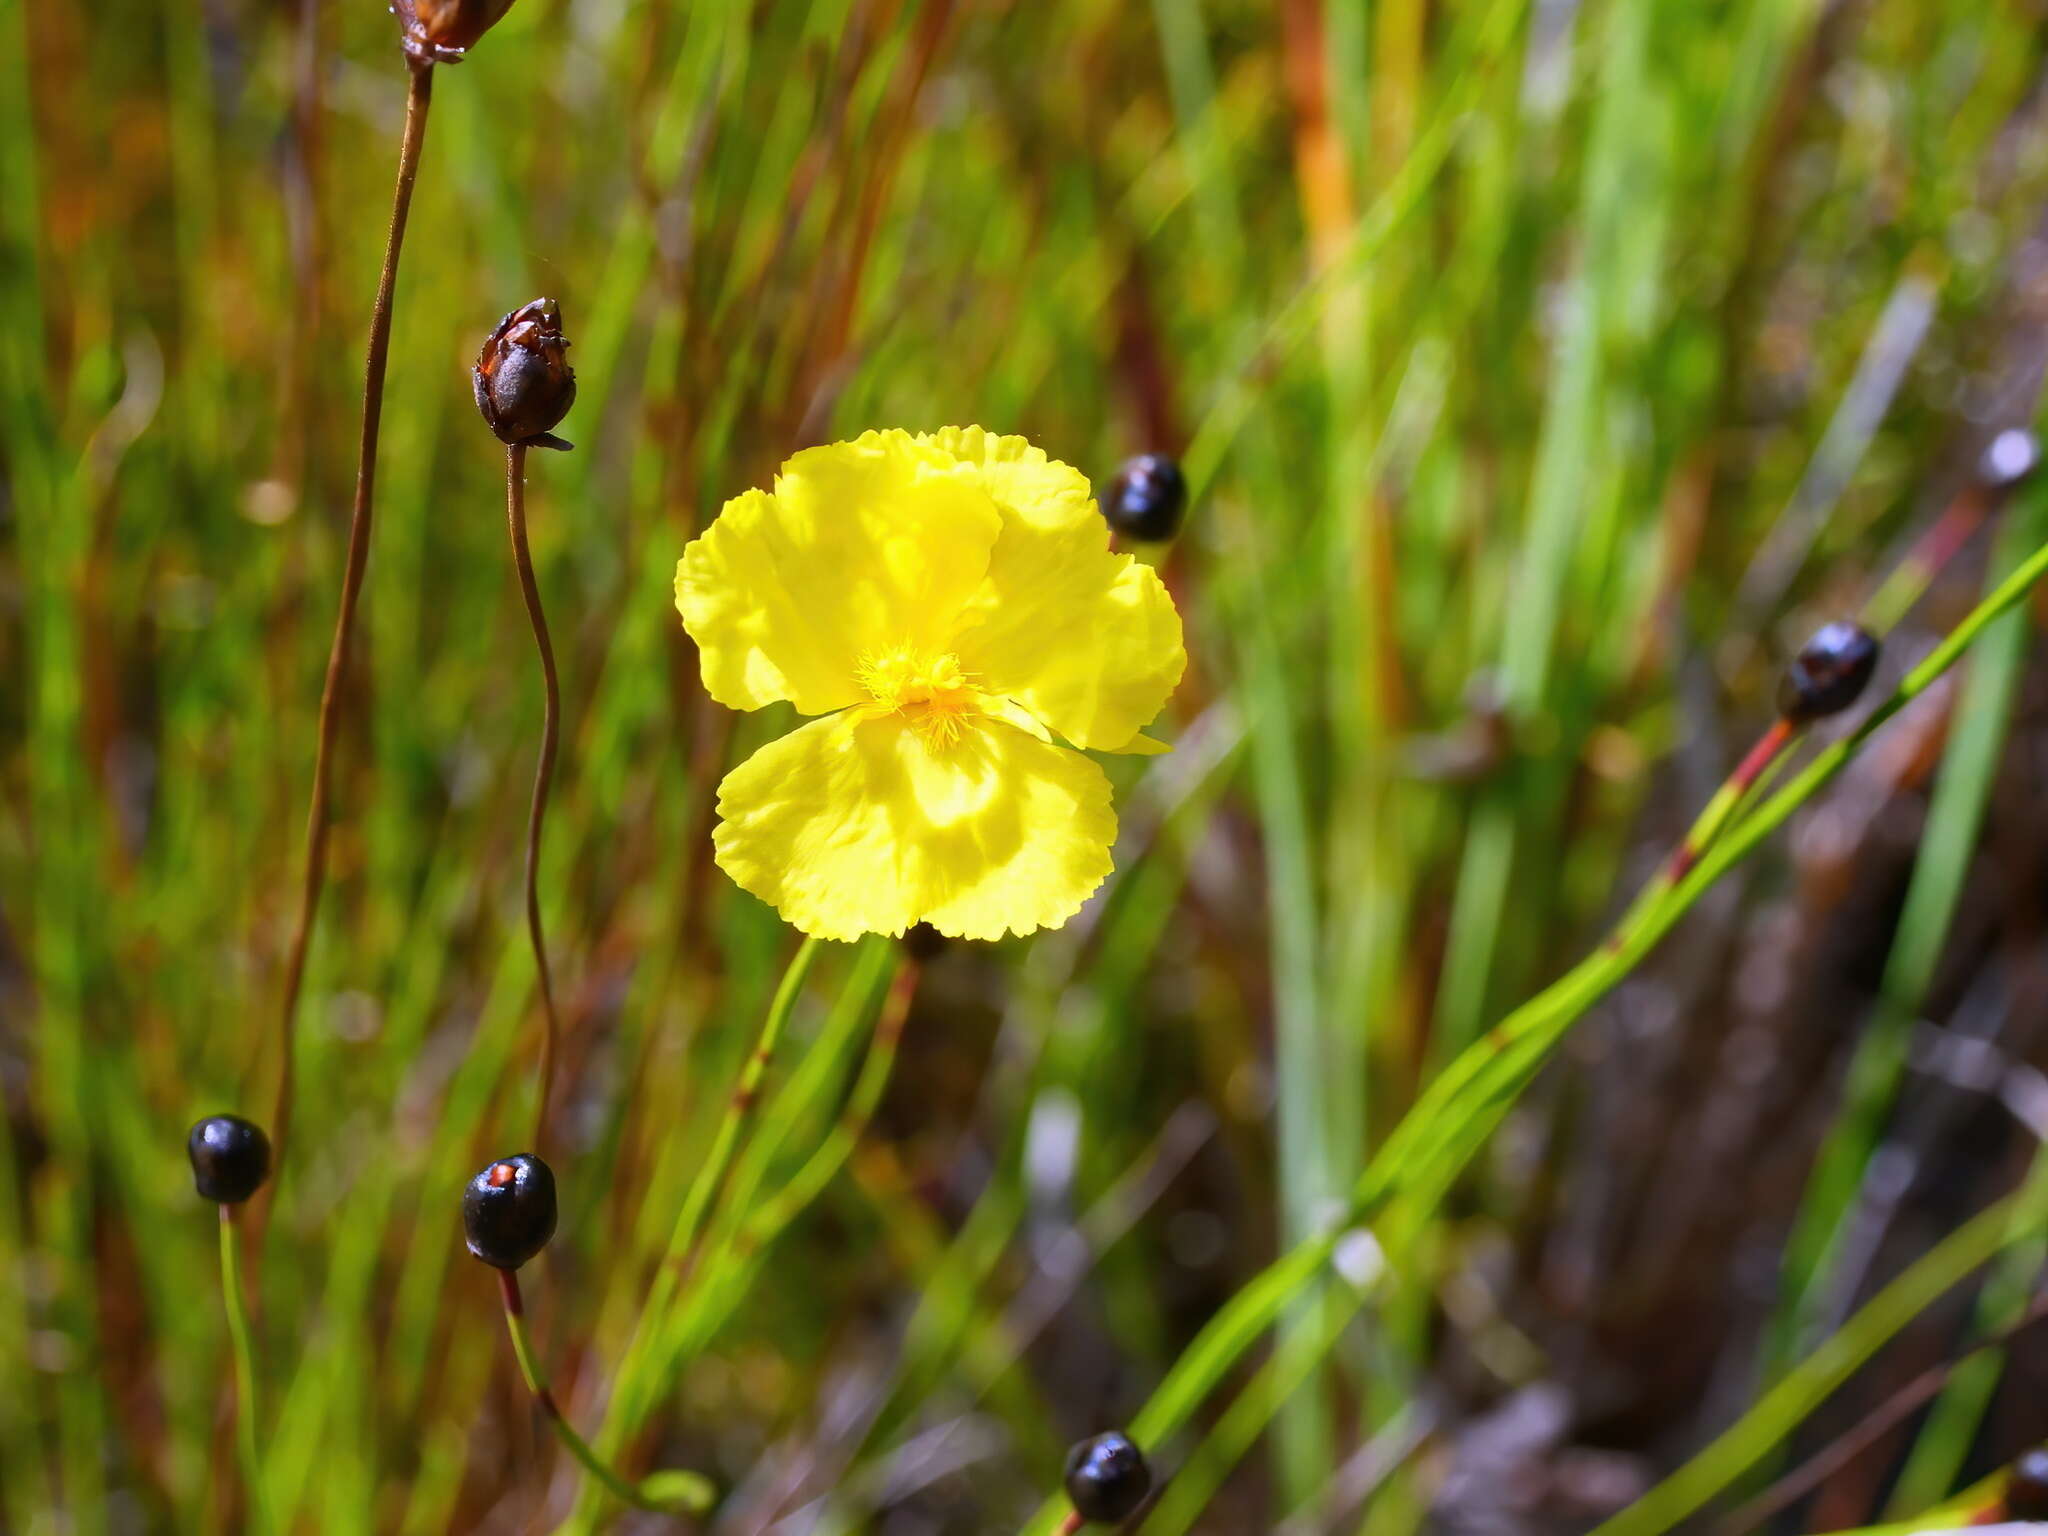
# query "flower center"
(931, 692)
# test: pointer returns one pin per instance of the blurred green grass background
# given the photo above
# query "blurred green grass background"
(1545, 370)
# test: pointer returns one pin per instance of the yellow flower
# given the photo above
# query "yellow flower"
(949, 603)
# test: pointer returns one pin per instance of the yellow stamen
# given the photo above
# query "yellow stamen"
(931, 693)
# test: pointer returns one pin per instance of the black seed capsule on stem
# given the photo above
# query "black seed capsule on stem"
(1107, 1478)
(1146, 499)
(230, 1158)
(1829, 673)
(508, 1210)
(2026, 1487)
(523, 381)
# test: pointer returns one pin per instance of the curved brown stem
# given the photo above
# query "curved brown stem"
(544, 770)
(418, 97)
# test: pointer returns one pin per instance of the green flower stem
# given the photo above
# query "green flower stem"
(536, 1383)
(245, 1366)
(679, 1259)
(730, 1273)
(767, 1223)
(1453, 1117)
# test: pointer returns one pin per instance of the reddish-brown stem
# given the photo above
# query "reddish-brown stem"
(543, 772)
(1739, 783)
(418, 96)
(1074, 1522)
(575, 1444)
(1707, 826)
(515, 1312)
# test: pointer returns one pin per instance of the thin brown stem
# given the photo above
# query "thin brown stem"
(1859, 1437)
(544, 770)
(418, 97)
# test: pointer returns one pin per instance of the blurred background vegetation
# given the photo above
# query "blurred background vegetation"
(1545, 369)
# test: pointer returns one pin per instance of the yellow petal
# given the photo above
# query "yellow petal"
(1143, 746)
(855, 824)
(1086, 640)
(862, 549)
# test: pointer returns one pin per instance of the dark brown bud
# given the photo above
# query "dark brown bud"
(438, 31)
(524, 383)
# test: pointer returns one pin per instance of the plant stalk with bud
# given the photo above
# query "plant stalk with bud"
(230, 1161)
(524, 386)
(508, 1217)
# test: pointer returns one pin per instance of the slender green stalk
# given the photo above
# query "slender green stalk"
(543, 772)
(739, 1109)
(746, 1233)
(789, 1201)
(1816, 1281)
(647, 1351)
(246, 1406)
(318, 810)
(1808, 1384)
(1895, 1409)
(536, 1383)
(1950, 1428)
(1453, 1117)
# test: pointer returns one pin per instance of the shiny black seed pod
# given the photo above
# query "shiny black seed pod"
(230, 1158)
(1107, 1478)
(523, 381)
(508, 1211)
(2008, 459)
(1828, 674)
(2026, 1487)
(1146, 499)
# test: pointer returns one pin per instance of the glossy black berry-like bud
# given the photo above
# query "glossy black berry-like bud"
(1107, 1479)
(230, 1158)
(508, 1211)
(1146, 499)
(2008, 459)
(2026, 1487)
(438, 31)
(524, 383)
(1828, 674)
